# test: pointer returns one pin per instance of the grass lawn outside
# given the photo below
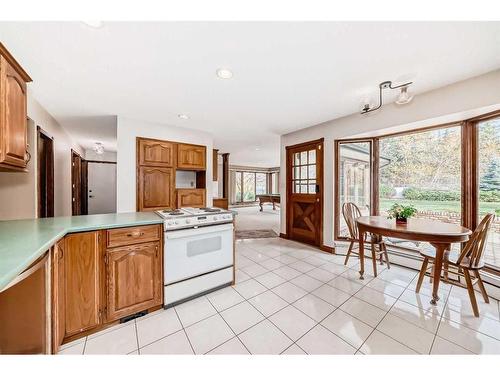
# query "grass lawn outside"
(439, 206)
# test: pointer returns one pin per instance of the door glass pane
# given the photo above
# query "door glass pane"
(354, 178)
(312, 156)
(303, 172)
(312, 171)
(424, 170)
(489, 185)
(261, 183)
(296, 158)
(296, 173)
(248, 186)
(303, 157)
(303, 189)
(312, 188)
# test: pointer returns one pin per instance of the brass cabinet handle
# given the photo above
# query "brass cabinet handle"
(135, 234)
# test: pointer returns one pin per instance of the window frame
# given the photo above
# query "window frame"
(469, 174)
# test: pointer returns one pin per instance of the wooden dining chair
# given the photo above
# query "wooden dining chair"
(351, 212)
(468, 263)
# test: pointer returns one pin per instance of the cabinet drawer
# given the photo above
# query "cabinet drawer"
(132, 235)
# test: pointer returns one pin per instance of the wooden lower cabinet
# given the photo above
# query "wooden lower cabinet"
(82, 282)
(191, 198)
(134, 280)
(94, 286)
(58, 295)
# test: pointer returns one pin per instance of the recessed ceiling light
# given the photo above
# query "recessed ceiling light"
(183, 116)
(94, 24)
(224, 73)
(257, 148)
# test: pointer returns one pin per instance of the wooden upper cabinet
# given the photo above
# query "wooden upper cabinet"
(191, 157)
(155, 188)
(191, 198)
(155, 153)
(13, 114)
(134, 279)
(82, 267)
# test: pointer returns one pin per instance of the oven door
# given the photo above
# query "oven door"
(193, 252)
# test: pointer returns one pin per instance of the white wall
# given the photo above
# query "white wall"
(127, 131)
(455, 102)
(18, 194)
(18, 190)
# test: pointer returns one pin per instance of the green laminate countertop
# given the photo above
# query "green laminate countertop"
(24, 241)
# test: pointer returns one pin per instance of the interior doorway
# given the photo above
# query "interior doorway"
(101, 190)
(76, 184)
(304, 192)
(45, 173)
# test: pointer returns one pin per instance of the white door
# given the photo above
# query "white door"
(101, 188)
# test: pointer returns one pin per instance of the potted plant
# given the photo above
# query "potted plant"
(401, 213)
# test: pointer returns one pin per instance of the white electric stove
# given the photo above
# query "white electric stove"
(198, 252)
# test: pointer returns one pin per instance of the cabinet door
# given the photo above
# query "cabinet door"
(155, 188)
(191, 157)
(153, 153)
(58, 313)
(82, 276)
(134, 278)
(190, 197)
(13, 117)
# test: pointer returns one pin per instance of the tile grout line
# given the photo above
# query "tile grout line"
(137, 337)
(184, 329)
(231, 328)
(375, 329)
(439, 323)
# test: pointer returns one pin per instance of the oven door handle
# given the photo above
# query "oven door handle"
(182, 233)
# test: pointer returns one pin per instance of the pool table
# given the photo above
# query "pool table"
(274, 199)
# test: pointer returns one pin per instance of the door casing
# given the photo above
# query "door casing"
(319, 180)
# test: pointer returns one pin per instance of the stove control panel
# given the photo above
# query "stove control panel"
(195, 221)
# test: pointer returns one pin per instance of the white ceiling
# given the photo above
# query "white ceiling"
(287, 75)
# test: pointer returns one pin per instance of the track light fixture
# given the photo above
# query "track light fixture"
(403, 97)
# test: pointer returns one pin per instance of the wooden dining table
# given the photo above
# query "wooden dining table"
(440, 235)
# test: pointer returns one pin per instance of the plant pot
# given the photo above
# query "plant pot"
(401, 220)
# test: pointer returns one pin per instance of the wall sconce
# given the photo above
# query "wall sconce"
(403, 97)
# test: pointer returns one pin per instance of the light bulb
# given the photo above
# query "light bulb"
(404, 97)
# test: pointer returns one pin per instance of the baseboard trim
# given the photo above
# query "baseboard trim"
(284, 235)
(327, 249)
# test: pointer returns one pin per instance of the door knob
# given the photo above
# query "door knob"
(91, 196)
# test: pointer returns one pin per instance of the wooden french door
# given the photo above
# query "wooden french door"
(304, 189)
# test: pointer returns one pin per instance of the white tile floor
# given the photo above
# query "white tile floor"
(292, 299)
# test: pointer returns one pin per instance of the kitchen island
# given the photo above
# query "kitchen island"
(77, 275)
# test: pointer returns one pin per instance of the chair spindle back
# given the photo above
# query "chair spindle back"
(351, 212)
(474, 249)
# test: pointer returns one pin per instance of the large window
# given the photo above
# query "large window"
(275, 183)
(423, 170)
(430, 169)
(248, 185)
(489, 184)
